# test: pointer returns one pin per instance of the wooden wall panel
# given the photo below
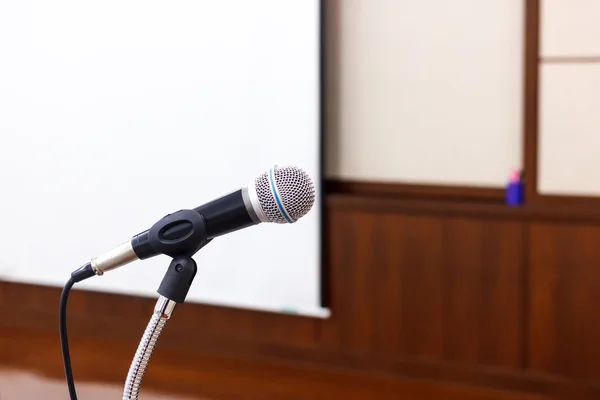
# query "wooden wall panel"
(388, 291)
(427, 288)
(422, 304)
(565, 293)
(504, 294)
(483, 292)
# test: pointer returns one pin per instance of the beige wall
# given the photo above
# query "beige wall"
(425, 91)
(569, 101)
(570, 28)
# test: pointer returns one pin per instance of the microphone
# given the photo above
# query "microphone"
(281, 195)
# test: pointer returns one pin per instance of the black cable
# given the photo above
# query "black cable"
(64, 341)
(77, 276)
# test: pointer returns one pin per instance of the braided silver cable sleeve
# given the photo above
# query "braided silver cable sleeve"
(162, 313)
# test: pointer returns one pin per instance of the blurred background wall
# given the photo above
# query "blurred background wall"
(437, 288)
(425, 92)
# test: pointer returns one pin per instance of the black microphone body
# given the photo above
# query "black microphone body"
(226, 214)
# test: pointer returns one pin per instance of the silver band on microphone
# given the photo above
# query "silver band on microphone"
(253, 206)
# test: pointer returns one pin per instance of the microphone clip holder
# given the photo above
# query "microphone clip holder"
(180, 236)
(182, 233)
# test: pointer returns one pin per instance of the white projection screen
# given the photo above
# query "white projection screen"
(114, 114)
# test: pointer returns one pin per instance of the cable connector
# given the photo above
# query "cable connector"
(83, 273)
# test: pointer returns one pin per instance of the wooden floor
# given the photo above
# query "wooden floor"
(23, 385)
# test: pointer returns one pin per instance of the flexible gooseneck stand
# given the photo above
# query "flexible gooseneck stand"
(179, 236)
(173, 289)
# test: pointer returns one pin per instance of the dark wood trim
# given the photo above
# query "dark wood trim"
(415, 192)
(394, 197)
(528, 213)
(574, 203)
(530, 97)
(570, 59)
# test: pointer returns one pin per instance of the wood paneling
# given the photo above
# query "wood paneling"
(530, 94)
(429, 288)
(565, 293)
(441, 299)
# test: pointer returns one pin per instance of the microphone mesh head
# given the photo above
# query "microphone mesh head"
(285, 194)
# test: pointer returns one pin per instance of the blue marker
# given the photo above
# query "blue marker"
(515, 190)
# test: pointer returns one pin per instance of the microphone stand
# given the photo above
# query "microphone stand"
(173, 289)
(179, 235)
